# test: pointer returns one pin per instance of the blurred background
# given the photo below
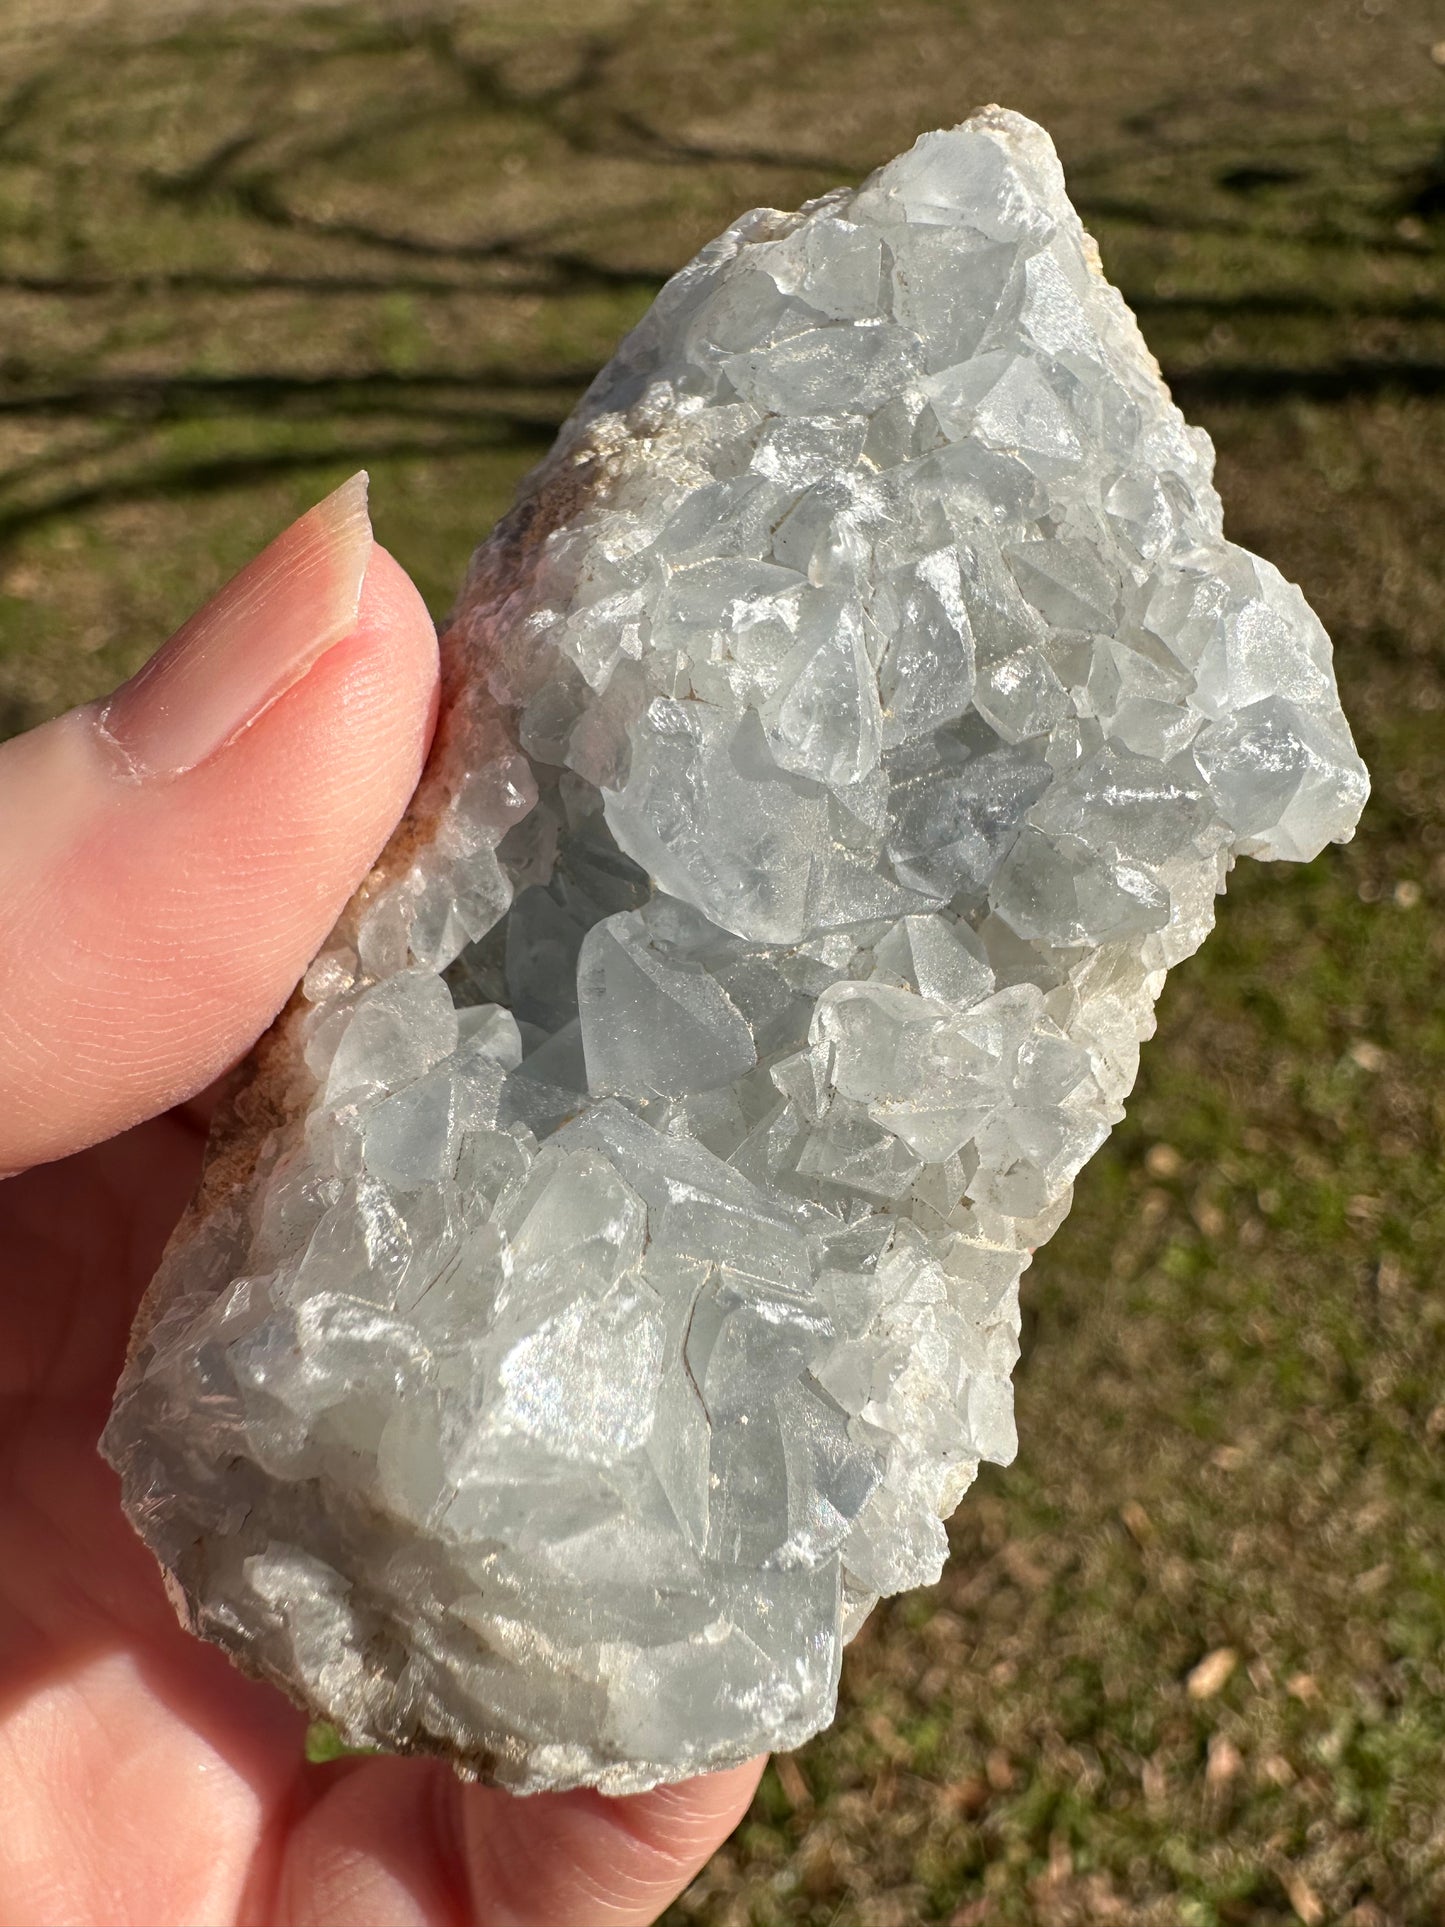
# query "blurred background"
(1186, 1666)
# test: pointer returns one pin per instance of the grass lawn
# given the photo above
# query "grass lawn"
(1187, 1665)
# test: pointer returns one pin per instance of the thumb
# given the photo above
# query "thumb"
(171, 857)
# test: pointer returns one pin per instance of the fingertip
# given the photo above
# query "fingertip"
(158, 922)
(707, 1807)
(392, 607)
(587, 1859)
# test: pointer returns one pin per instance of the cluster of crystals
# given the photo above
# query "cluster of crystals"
(638, 1288)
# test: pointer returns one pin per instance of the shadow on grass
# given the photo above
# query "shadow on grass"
(450, 414)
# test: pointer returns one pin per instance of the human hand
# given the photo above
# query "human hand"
(168, 864)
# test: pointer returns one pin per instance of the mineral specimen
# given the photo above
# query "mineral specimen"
(607, 1280)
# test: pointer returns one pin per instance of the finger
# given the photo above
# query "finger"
(392, 1841)
(583, 1860)
(171, 859)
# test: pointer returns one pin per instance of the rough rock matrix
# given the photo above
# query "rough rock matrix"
(607, 1278)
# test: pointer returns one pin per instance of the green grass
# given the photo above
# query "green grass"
(242, 254)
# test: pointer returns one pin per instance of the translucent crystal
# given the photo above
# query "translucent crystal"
(593, 1305)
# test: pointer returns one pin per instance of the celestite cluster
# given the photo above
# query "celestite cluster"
(608, 1279)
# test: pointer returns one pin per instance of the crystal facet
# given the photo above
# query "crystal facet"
(593, 1306)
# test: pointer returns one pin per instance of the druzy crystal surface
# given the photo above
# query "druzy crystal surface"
(606, 1281)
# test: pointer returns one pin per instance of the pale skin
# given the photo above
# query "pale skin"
(149, 933)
